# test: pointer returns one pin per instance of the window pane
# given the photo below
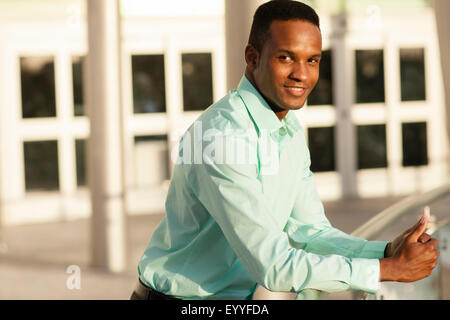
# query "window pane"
(369, 76)
(414, 137)
(321, 148)
(197, 81)
(80, 154)
(149, 90)
(323, 91)
(412, 74)
(77, 80)
(37, 76)
(372, 146)
(41, 165)
(151, 155)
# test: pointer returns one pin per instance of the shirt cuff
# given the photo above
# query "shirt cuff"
(365, 275)
(373, 250)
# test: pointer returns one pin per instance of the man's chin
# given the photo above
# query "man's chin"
(294, 106)
(287, 105)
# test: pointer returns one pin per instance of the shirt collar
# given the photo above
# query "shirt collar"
(261, 112)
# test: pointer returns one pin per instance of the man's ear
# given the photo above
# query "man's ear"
(251, 57)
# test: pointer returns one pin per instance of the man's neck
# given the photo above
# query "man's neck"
(280, 113)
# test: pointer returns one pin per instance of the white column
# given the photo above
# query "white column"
(105, 145)
(238, 21)
(66, 144)
(6, 141)
(343, 93)
(442, 12)
(393, 121)
(174, 97)
(12, 176)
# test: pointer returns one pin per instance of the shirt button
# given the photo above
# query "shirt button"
(283, 131)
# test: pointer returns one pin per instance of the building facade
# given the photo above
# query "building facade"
(375, 122)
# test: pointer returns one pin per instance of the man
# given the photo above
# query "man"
(232, 224)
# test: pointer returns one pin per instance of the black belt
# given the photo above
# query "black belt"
(143, 292)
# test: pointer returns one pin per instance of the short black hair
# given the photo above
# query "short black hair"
(278, 10)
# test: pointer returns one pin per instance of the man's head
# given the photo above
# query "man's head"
(283, 53)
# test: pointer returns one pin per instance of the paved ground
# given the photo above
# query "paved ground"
(37, 256)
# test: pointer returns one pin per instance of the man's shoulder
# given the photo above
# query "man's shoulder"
(227, 113)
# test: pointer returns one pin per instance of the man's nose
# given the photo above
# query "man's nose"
(299, 72)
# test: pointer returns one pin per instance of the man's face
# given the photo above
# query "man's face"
(287, 68)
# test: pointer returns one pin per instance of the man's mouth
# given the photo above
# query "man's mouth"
(295, 91)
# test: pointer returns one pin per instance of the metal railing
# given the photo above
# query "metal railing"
(375, 226)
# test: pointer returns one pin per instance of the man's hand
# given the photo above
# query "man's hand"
(412, 259)
(393, 247)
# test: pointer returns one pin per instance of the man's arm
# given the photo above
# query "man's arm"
(308, 228)
(410, 257)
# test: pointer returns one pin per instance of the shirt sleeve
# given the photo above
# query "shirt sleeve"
(233, 195)
(310, 230)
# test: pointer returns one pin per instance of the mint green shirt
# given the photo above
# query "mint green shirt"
(242, 209)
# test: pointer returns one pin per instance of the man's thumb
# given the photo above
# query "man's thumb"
(421, 226)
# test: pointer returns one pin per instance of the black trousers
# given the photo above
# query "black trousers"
(143, 292)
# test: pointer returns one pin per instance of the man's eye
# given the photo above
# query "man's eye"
(313, 60)
(284, 58)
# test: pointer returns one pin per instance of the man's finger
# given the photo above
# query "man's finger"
(424, 237)
(414, 227)
(433, 243)
(426, 211)
(421, 226)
